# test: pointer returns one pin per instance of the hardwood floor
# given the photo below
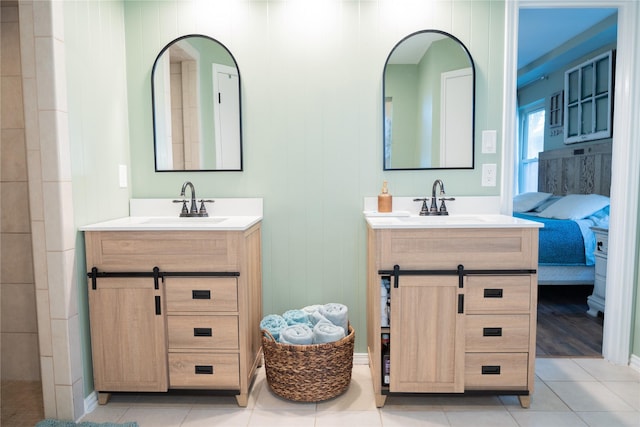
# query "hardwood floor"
(564, 327)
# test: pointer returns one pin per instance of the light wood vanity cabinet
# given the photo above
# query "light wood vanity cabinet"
(463, 313)
(192, 323)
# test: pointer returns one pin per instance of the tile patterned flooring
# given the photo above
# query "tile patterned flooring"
(569, 392)
(21, 403)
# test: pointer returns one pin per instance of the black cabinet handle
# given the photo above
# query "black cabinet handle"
(491, 370)
(202, 332)
(158, 306)
(204, 370)
(491, 332)
(200, 294)
(493, 293)
(460, 303)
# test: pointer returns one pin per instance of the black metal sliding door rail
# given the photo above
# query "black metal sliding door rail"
(157, 274)
(460, 272)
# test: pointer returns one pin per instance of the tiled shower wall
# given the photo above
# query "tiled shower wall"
(18, 326)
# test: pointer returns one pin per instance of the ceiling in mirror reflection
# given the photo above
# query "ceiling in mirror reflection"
(195, 86)
(428, 104)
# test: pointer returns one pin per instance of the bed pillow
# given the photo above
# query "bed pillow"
(526, 202)
(544, 205)
(575, 206)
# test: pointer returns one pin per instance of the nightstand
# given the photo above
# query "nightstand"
(596, 300)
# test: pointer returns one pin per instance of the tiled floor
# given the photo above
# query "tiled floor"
(569, 392)
(21, 403)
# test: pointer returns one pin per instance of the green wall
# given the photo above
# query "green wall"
(98, 129)
(312, 108)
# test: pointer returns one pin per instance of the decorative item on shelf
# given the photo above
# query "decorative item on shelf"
(384, 199)
(386, 359)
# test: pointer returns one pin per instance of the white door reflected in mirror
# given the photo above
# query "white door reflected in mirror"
(196, 107)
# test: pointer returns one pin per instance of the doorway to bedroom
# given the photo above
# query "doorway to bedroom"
(551, 43)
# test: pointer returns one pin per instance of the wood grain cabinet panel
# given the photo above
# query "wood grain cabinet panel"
(463, 310)
(204, 370)
(203, 332)
(127, 335)
(202, 294)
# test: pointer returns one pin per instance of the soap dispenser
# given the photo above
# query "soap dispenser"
(384, 199)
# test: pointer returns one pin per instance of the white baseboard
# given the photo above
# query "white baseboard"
(360, 359)
(634, 362)
(90, 402)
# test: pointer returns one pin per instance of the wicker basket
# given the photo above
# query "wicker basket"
(308, 373)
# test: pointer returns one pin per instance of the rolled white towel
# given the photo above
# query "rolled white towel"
(316, 317)
(299, 334)
(336, 313)
(310, 309)
(326, 331)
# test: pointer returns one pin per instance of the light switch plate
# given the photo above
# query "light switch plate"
(122, 175)
(489, 171)
(489, 138)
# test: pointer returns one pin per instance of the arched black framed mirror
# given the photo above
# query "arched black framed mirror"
(195, 92)
(428, 104)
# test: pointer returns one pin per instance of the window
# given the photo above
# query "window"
(587, 107)
(532, 119)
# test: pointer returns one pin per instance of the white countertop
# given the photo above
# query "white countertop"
(450, 221)
(163, 215)
(464, 212)
(164, 223)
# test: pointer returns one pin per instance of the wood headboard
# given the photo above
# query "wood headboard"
(576, 170)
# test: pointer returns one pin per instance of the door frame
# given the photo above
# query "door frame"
(625, 178)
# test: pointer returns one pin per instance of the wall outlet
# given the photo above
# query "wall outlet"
(489, 138)
(489, 171)
(122, 175)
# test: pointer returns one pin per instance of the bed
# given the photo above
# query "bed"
(573, 195)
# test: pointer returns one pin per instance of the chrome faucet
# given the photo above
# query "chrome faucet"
(433, 210)
(193, 210)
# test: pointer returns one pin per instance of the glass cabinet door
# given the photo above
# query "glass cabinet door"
(588, 93)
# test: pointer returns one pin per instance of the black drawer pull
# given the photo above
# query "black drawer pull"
(491, 332)
(202, 332)
(196, 294)
(491, 370)
(204, 369)
(493, 293)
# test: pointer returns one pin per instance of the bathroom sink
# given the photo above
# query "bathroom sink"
(444, 219)
(449, 221)
(166, 223)
(184, 221)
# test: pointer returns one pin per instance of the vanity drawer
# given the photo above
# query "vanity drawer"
(497, 371)
(202, 294)
(500, 332)
(498, 294)
(205, 332)
(200, 370)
